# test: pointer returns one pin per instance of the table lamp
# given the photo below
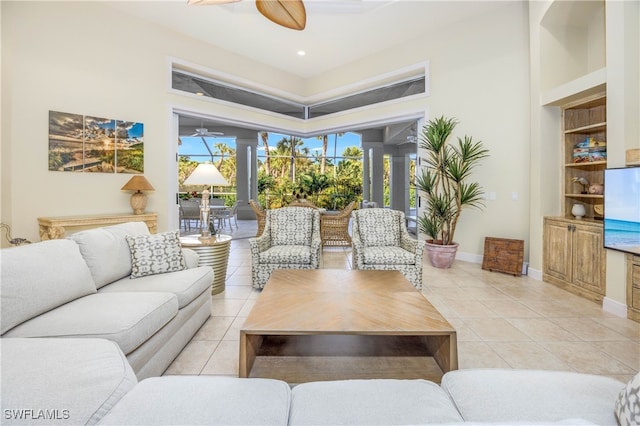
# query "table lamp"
(205, 174)
(138, 184)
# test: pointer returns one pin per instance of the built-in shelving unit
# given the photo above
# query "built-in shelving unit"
(585, 138)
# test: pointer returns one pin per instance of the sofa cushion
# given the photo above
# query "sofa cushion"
(291, 226)
(371, 402)
(106, 250)
(62, 381)
(627, 406)
(385, 226)
(38, 277)
(187, 285)
(537, 396)
(201, 400)
(155, 254)
(388, 255)
(128, 319)
(286, 255)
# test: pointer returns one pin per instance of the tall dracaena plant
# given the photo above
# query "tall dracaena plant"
(443, 178)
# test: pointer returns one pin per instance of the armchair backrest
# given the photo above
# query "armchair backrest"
(378, 227)
(292, 225)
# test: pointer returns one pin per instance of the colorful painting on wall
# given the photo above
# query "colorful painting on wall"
(94, 144)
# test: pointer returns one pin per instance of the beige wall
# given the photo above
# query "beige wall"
(70, 57)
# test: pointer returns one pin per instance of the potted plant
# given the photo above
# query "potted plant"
(443, 181)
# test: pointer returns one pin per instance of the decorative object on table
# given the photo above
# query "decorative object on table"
(13, 241)
(443, 182)
(289, 14)
(138, 184)
(503, 255)
(582, 181)
(596, 189)
(79, 143)
(578, 211)
(206, 174)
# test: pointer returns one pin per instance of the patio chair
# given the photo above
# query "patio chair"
(224, 216)
(380, 241)
(261, 216)
(189, 210)
(334, 228)
(291, 240)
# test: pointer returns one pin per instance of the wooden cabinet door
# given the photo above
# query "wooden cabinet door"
(557, 250)
(589, 258)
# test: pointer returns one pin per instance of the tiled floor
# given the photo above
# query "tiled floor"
(501, 320)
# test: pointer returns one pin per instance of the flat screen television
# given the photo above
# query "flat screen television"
(622, 209)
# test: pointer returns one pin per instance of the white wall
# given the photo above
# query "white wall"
(479, 73)
(72, 57)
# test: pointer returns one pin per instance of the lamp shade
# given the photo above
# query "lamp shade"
(206, 174)
(138, 183)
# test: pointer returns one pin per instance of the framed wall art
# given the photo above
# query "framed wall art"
(79, 143)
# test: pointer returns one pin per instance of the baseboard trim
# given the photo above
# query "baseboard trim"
(469, 257)
(614, 307)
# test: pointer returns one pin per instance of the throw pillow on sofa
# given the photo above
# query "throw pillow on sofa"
(155, 254)
(628, 403)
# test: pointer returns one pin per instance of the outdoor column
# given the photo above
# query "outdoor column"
(246, 175)
(373, 140)
(400, 182)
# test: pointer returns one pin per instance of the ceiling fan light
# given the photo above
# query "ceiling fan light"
(288, 13)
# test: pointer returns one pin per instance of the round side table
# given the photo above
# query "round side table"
(213, 252)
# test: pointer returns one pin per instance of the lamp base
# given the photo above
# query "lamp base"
(138, 202)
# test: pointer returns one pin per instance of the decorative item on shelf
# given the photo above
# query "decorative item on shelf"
(205, 174)
(582, 181)
(578, 211)
(10, 239)
(138, 184)
(596, 189)
(589, 150)
(598, 211)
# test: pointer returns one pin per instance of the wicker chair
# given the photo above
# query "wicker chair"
(302, 202)
(261, 216)
(381, 242)
(334, 228)
(291, 240)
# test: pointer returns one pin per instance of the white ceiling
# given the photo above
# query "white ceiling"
(337, 32)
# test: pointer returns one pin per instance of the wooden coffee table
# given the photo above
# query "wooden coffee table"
(330, 324)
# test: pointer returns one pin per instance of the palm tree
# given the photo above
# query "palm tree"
(323, 158)
(267, 162)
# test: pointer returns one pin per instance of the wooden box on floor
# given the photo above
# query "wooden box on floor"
(503, 255)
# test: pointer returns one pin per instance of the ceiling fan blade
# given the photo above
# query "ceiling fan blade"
(288, 13)
(208, 2)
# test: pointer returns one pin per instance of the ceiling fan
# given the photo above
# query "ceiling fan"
(288, 13)
(202, 131)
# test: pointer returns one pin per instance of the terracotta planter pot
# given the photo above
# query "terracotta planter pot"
(441, 256)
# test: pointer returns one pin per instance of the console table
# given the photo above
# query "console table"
(52, 228)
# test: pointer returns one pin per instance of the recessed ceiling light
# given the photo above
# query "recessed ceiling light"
(301, 53)
(199, 93)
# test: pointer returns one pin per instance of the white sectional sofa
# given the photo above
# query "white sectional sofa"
(89, 381)
(81, 287)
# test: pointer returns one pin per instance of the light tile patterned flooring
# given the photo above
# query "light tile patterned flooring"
(501, 320)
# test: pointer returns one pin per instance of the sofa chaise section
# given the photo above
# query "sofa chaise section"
(62, 381)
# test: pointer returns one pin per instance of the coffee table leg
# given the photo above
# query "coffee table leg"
(444, 350)
(249, 345)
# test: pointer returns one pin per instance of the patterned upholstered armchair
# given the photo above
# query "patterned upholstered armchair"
(380, 241)
(290, 240)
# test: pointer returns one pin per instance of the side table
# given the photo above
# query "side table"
(213, 252)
